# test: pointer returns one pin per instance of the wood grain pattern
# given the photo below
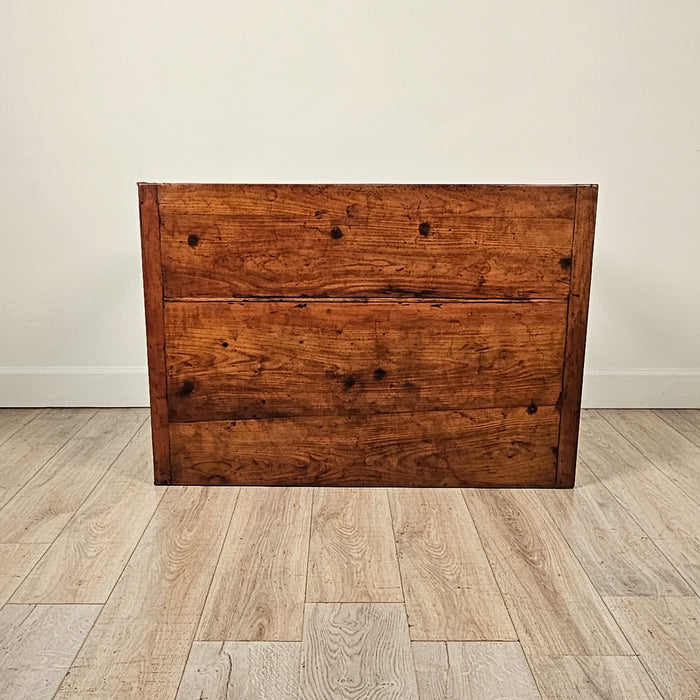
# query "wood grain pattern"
(17, 561)
(85, 561)
(448, 583)
(138, 647)
(155, 329)
(686, 422)
(554, 607)
(41, 509)
(276, 359)
(666, 514)
(241, 671)
(484, 670)
(487, 447)
(665, 633)
(395, 202)
(383, 256)
(38, 644)
(352, 556)
(28, 449)
(12, 419)
(675, 455)
(258, 590)
(356, 650)
(582, 260)
(617, 555)
(592, 678)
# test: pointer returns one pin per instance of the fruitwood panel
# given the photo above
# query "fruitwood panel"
(279, 359)
(488, 447)
(358, 201)
(324, 256)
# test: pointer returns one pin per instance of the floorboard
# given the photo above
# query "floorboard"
(357, 650)
(37, 646)
(484, 670)
(352, 555)
(592, 678)
(665, 633)
(86, 559)
(139, 645)
(242, 671)
(450, 589)
(258, 589)
(554, 606)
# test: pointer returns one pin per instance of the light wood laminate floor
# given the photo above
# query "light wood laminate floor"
(111, 587)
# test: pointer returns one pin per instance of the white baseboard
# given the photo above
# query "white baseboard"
(641, 388)
(128, 386)
(73, 386)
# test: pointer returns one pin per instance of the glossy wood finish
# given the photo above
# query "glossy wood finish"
(582, 260)
(155, 329)
(363, 256)
(488, 447)
(253, 572)
(365, 306)
(276, 359)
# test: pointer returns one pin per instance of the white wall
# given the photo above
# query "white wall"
(97, 95)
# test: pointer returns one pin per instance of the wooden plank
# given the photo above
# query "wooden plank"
(85, 561)
(582, 260)
(615, 552)
(25, 452)
(329, 256)
(666, 514)
(352, 556)
(686, 422)
(357, 201)
(258, 590)
(592, 678)
(139, 645)
(487, 447)
(12, 419)
(276, 359)
(484, 670)
(38, 644)
(241, 671)
(666, 635)
(675, 455)
(554, 606)
(449, 586)
(17, 561)
(155, 329)
(356, 650)
(41, 509)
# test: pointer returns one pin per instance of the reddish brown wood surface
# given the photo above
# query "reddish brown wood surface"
(489, 447)
(366, 335)
(389, 202)
(442, 255)
(234, 360)
(582, 260)
(155, 330)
